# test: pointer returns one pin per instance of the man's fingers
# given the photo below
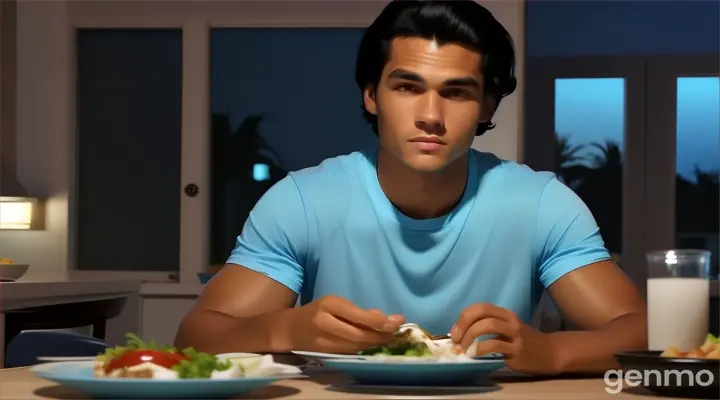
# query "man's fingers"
(335, 326)
(484, 347)
(476, 313)
(355, 315)
(337, 345)
(487, 326)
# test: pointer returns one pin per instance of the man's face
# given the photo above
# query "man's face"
(429, 102)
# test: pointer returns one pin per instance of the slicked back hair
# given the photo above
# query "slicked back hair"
(462, 22)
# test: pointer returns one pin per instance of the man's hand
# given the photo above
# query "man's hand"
(526, 350)
(334, 325)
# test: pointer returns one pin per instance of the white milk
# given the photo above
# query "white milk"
(678, 312)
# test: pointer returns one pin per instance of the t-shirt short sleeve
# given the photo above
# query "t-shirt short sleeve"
(274, 238)
(567, 232)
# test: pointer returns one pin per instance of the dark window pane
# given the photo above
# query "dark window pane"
(697, 188)
(282, 99)
(129, 139)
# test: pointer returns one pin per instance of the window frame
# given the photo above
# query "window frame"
(196, 19)
(663, 71)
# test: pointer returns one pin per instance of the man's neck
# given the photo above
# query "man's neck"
(421, 195)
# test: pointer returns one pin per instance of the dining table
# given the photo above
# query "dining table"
(23, 384)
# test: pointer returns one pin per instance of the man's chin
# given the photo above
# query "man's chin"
(426, 164)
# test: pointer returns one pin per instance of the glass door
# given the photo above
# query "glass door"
(585, 120)
(683, 148)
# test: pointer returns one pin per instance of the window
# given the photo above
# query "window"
(129, 84)
(637, 139)
(268, 119)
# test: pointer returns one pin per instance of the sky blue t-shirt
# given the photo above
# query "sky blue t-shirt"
(330, 229)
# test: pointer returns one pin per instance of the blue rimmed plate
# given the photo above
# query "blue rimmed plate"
(407, 372)
(317, 356)
(78, 375)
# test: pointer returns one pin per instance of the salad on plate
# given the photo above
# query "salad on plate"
(141, 360)
(411, 342)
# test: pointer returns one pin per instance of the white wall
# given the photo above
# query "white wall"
(42, 139)
(45, 100)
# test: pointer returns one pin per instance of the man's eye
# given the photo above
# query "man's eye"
(408, 88)
(458, 93)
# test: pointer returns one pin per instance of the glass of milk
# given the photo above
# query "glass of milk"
(678, 298)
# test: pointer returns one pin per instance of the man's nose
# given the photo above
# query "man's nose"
(430, 114)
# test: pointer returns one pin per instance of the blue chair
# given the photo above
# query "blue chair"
(25, 348)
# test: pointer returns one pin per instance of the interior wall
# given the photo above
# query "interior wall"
(42, 127)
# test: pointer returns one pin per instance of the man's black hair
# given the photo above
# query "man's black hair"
(462, 22)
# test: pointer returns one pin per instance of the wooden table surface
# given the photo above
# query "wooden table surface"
(22, 384)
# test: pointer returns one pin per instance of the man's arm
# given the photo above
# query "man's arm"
(240, 310)
(586, 285)
(600, 300)
(243, 307)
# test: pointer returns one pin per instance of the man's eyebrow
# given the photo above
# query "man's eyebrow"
(413, 77)
(405, 75)
(466, 81)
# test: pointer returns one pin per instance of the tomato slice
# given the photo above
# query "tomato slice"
(137, 357)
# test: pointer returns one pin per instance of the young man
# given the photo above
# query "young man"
(423, 229)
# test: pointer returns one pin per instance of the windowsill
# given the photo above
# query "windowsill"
(165, 290)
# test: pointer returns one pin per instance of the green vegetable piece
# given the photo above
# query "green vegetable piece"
(413, 353)
(371, 351)
(200, 365)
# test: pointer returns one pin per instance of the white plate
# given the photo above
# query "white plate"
(315, 356)
(79, 376)
(224, 356)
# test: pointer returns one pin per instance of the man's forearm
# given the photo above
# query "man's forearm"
(215, 332)
(593, 351)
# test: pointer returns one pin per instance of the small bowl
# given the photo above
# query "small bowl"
(12, 272)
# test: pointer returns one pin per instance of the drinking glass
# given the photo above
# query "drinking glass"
(678, 298)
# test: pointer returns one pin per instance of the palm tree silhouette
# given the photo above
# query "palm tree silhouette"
(235, 189)
(569, 164)
(601, 190)
(610, 156)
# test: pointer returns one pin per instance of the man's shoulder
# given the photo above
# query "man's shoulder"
(512, 175)
(331, 171)
(330, 184)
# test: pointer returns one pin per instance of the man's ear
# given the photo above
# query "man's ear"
(369, 99)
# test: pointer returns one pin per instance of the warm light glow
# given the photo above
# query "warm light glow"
(15, 213)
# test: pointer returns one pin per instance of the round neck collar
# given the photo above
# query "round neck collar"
(387, 209)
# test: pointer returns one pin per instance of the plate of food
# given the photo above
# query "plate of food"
(145, 370)
(410, 341)
(415, 359)
(694, 373)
